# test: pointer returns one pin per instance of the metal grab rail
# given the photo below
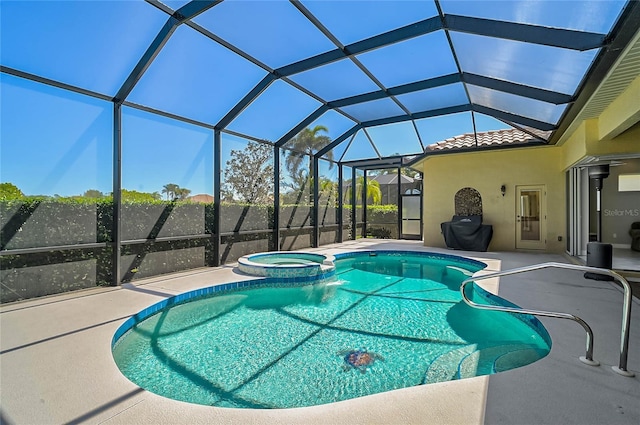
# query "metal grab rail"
(588, 358)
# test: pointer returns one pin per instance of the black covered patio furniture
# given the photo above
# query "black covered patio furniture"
(467, 233)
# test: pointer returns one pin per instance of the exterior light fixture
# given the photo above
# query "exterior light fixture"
(503, 189)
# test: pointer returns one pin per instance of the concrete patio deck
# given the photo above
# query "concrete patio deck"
(56, 363)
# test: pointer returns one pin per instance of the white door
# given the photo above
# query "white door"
(531, 217)
(411, 217)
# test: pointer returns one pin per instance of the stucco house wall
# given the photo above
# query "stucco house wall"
(486, 172)
(584, 142)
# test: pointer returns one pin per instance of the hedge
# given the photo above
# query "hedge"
(31, 222)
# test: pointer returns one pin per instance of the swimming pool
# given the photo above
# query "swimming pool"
(386, 320)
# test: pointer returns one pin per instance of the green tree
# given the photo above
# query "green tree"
(305, 144)
(299, 187)
(328, 190)
(135, 196)
(299, 160)
(374, 193)
(169, 190)
(92, 193)
(174, 192)
(327, 196)
(10, 191)
(181, 193)
(248, 174)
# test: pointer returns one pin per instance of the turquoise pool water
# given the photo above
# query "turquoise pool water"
(384, 322)
(287, 258)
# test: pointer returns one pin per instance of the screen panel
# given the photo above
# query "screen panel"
(336, 80)
(595, 16)
(296, 200)
(360, 148)
(56, 166)
(357, 20)
(167, 192)
(395, 139)
(373, 110)
(179, 80)
(435, 98)
(246, 206)
(265, 119)
(328, 202)
(518, 105)
(320, 133)
(438, 129)
(93, 45)
(413, 60)
(545, 67)
(274, 32)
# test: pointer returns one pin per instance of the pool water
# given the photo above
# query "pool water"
(382, 323)
(287, 258)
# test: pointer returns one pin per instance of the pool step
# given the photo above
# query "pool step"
(518, 358)
(498, 359)
(469, 361)
(444, 367)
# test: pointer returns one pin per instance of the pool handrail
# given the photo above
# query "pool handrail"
(621, 369)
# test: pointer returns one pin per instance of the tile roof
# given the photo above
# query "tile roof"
(392, 179)
(511, 136)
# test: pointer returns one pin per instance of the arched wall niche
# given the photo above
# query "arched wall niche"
(468, 202)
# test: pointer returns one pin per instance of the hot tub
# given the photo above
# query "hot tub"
(287, 264)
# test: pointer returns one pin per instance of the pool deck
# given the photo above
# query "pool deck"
(56, 364)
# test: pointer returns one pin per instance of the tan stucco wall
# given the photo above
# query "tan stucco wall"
(615, 132)
(585, 142)
(575, 148)
(626, 143)
(444, 175)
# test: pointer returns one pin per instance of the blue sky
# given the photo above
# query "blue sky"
(58, 142)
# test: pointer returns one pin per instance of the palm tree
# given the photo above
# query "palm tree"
(374, 193)
(170, 189)
(306, 143)
(303, 146)
(181, 193)
(174, 192)
(328, 189)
